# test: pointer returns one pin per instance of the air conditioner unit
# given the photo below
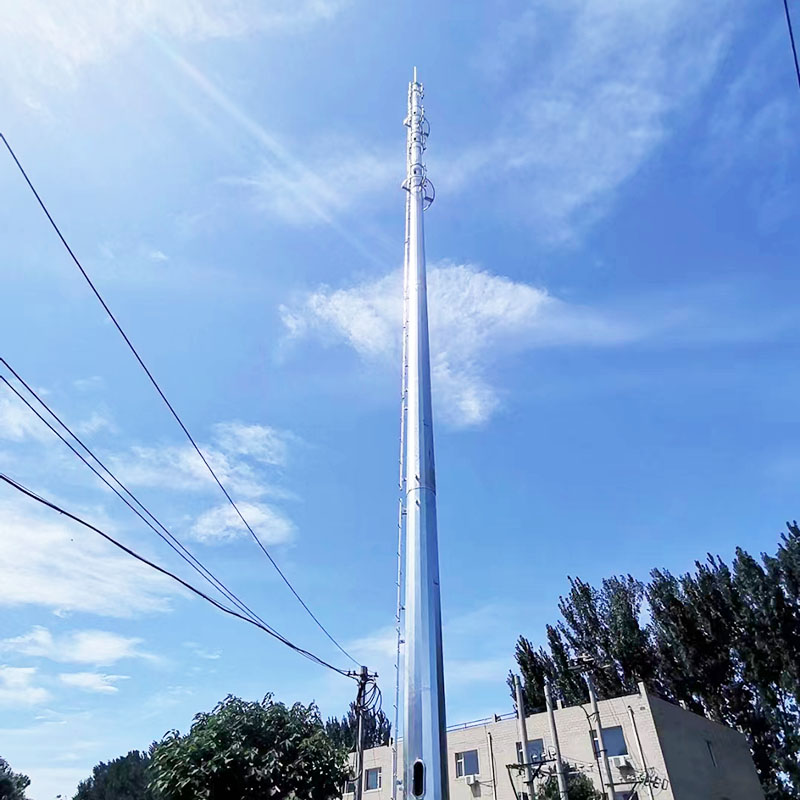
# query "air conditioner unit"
(621, 762)
(472, 780)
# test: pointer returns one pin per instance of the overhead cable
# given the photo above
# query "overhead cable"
(268, 630)
(167, 402)
(170, 539)
(791, 39)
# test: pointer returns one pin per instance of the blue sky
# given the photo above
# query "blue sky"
(613, 255)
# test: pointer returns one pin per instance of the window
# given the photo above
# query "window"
(614, 741)
(467, 763)
(535, 751)
(350, 786)
(372, 779)
(711, 753)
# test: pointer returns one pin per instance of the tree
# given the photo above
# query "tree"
(12, 784)
(376, 729)
(579, 787)
(250, 749)
(723, 640)
(124, 778)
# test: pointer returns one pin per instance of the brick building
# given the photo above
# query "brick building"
(657, 751)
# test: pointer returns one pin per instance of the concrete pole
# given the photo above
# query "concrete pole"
(522, 728)
(608, 780)
(640, 750)
(490, 743)
(562, 781)
(362, 684)
(424, 738)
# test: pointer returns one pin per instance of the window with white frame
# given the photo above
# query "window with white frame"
(614, 741)
(372, 779)
(467, 763)
(535, 751)
(350, 786)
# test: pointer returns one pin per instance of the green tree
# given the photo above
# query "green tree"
(12, 784)
(579, 787)
(723, 640)
(250, 749)
(124, 778)
(535, 666)
(376, 729)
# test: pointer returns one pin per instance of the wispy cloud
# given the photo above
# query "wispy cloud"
(60, 567)
(17, 687)
(94, 682)
(222, 524)
(284, 194)
(201, 652)
(260, 442)
(99, 648)
(476, 318)
(50, 43)
(236, 452)
(596, 87)
(17, 423)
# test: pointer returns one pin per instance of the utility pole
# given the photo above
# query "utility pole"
(607, 779)
(522, 729)
(562, 781)
(584, 664)
(363, 678)
(640, 749)
(424, 742)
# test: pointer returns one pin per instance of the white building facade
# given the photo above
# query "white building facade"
(657, 751)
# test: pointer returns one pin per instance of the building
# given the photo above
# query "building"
(657, 751)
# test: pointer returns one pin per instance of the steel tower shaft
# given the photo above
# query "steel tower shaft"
(424, 744)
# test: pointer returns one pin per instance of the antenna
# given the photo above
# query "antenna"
(424, 739)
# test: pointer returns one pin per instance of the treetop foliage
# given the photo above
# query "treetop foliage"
(250, 749)
(376, 729)
(124, 778)
(12, 784)
(722, 640)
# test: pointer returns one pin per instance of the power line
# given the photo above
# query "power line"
(791, 38)
(55, 507)
(171, 540)
(167, 402)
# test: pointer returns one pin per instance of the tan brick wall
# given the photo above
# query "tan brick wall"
(684, 736)
(673, 743)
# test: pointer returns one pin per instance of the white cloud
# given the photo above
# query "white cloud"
(49, 43)
(179, 467)
(100, 648)
(17, 422)
(200, 652)
(260, 442)
(17, 687)
(95, 423)
(475, 318)
(222, 524)
(297, 196)
(63, 567)
(94, 383)
(92, 681)
(603, 83)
